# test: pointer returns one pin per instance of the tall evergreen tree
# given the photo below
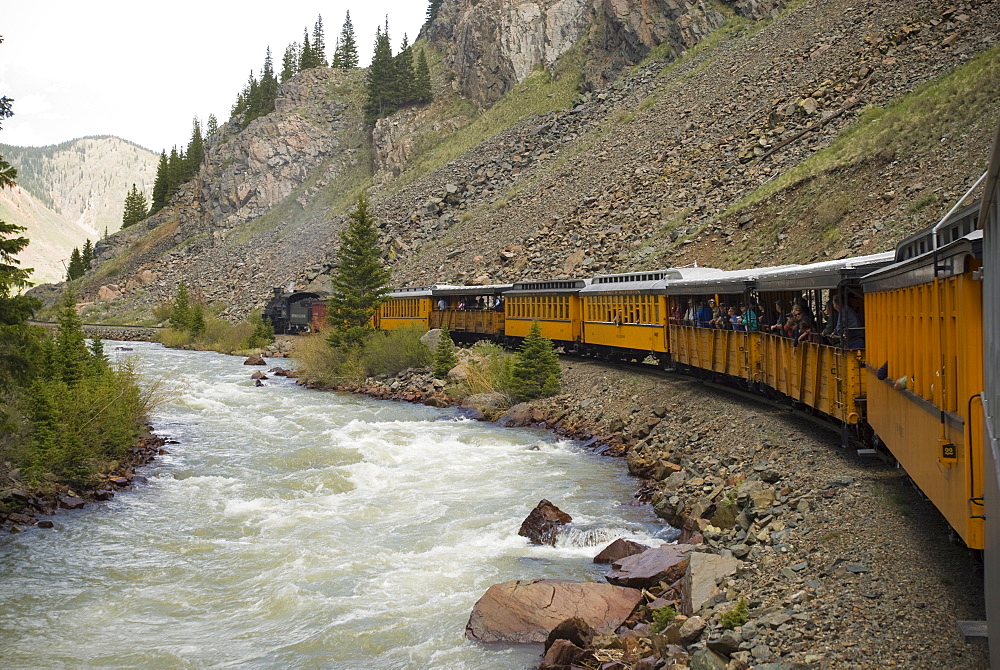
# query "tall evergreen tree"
(87, 254)
(268, 87)
(403, 87)
(290, 62)
(381, 79)
(306, 55)
(176, 172)
(319, 43)
(360, 281)
(180, 311)
(422, 80)
(347, 47)
(432, 11)
(212, 126)
(444, 354)
(195, 151)
(75, 269)
(70, 354)
(160, 185)
(135, 207)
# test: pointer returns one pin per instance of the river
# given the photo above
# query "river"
(290, 528)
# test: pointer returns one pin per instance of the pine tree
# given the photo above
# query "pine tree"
(336, 62)
(381, 79)
(212, 126)
(176, 171)
(290, 62)
(180, 311)
(444, 354)
(319, 43)
(75, 269)
(135, 206)
(87, 254)
(197, 323)
(305, 55)
(403, 87)
(160, 185)
(268, 87)
(360, 281)
(70, 355)
(432, 11)
(98, 359)
(422, 80)
(347, 47)
(195, 151)
(536, 372)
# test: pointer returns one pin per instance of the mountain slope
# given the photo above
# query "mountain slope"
(71, 192)
(676, 160)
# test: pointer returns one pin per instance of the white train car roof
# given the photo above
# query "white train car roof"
(722, 281)
(823, 275)
(652, 281)
(548, 287)
(485, 289)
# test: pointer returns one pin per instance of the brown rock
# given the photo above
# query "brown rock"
(574, 630)
(524, 611)
(259, 375)
(542, 524)
(703, 574)
(562, 654)
(666, 563)
(619, 549)
(71, 502)
(254, 359)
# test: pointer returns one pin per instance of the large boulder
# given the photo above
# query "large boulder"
(542, 524)
(524, 611)
(254, 359)
(666, 563)
(518, 415)
(618, 550)
(702, 577)
(431, 338)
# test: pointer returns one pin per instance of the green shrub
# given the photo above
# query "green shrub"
(737, 616)
(488, 369)
(380, 353)
(662, 618)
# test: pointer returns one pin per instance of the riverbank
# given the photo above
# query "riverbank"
(21, 506)
(844, 564)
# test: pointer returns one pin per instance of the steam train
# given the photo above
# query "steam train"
(916, 373)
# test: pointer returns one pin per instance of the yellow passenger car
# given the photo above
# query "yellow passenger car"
(405, 308)
(625, 315)
(699, 342)
(820, 372)
(924, 367)
(554, 304)
(471, 313)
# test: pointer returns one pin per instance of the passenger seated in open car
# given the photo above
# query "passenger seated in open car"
(848, 332)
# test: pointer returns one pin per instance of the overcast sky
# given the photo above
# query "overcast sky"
(142, 71)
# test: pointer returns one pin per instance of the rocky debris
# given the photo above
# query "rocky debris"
(20, 507)
(619, 549)
(778, 506)
(542, 524)
(527, 611)
(411, 385)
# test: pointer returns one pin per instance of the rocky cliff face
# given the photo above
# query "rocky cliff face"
(493, 44)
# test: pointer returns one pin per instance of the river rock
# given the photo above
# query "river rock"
(575, 630)
(518, 415)
(542, 524)
(702, 577)
(666, 563)
(490, 404)
(562, 654)
(71, 502)
(431, 338)
(525, 611)
(254, 359)
(258, 375)
(619, 549)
